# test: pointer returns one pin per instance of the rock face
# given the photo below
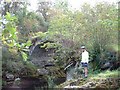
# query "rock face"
(41, 56)
(43, 59)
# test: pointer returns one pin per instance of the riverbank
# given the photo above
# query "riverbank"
(104, 80)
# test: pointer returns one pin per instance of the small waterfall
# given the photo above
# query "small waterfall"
(31, 49)
(74, 72)
(70, 73)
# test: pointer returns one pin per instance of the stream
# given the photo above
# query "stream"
(26, 83)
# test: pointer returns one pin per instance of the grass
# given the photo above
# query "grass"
(105, 74)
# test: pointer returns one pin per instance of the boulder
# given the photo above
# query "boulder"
(106, 66)
(42, 71)
(9, 77)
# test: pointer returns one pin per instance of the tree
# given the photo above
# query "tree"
(93, 26)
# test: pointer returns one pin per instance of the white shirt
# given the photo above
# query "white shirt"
(85, 57)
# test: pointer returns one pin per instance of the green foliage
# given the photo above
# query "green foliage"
(50, 45)
(105, 74)
(24, 55)
(29, 69)
(62, 5)
(40, 34)
(51, 84)
(11, 61)
(9, 36)
(29, 23)
(8, 17)
(94, 27)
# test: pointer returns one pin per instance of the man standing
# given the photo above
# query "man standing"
(85, 59)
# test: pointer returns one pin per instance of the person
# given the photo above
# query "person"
(85, 59)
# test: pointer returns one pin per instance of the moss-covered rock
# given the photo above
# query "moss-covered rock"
(106, 81)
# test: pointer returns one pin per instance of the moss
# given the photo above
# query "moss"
(29, 70)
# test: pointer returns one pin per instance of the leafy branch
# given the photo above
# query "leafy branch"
(9, 36)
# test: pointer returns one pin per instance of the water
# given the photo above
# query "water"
(70, 73)
(74, 72)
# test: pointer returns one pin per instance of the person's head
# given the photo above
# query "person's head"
(83, 48)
